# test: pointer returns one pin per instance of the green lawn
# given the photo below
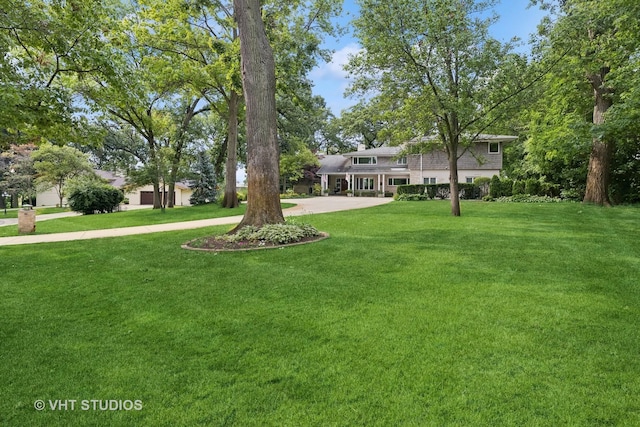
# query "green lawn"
(13, 212)
(130, 218)
(513, 314)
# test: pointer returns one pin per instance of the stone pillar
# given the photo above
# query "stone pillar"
(26, 220)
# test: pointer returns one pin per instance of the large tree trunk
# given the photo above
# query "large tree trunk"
(230, 199)
(157, 197)
(259, 84)
(597, 190)
(171, 191)
(454, 194)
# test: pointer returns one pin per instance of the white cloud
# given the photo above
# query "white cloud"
(335, 68)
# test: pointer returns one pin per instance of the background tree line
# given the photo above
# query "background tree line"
(145, 86)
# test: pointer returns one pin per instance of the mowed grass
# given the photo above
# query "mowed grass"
(510, 315)
(13, 212)
(130, 218)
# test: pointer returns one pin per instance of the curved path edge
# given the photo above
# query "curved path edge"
(315, 205)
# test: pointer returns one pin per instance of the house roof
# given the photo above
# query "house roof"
(118, 181)
(481, 137)
(114, 179)
(380, 151)
(337, 164)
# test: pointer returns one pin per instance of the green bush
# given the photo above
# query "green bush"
(94, 197)
(518, 187)
(528, 198)
(549, 189)
(483, 184)
(571, 194)
(500, 187)
(467, 191)
(277, 234)
(411, 197)
(532, 187)
(495, 189)
(411, 189)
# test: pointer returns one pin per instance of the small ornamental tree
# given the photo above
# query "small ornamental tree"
(56, 165)
(204, 186)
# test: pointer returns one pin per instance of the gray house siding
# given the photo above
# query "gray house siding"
(477, 157)
(432, 167)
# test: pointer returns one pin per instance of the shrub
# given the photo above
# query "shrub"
(549, 189)
(532, 187)
(518, 187)
(495, 189)
(500, 187)
(411, 197)
(94, 197)
(277, 234)
(411, 189)
(483, 184)
(441, 191)
(571, 194)
(469, 191)
(528, 198)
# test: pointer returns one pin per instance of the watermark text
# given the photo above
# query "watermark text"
(87, 405)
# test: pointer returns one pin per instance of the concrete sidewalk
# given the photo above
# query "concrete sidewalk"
(314, 205)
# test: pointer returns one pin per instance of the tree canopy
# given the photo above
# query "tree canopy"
(436, 71)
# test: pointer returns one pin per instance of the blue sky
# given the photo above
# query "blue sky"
(516, 20)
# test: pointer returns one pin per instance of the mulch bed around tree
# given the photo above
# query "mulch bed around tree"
(214, 244)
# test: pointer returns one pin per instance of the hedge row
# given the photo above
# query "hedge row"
(505, 187)
(441, 191)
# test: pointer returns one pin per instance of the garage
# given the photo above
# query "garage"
(146, 197)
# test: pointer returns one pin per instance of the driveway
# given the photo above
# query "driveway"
(313, 205)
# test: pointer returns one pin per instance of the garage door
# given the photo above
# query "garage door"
(146, 197)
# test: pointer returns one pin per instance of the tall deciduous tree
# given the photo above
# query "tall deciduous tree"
(17, 173)
(44, 45)
(437, 71)
(599, 40)
(202, 41)
(56, 165)
(259, 86)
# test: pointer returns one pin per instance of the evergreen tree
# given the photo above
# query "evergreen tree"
(204, 187)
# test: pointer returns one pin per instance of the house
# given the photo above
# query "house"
(144, 195)
(383, 169)
(141, 196)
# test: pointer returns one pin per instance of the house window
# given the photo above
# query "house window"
(429, 181)
(494, 147)
(470, 179)
(338, 186)
(365, 161)
(402, 160)
(365, 184)
(398, 181)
